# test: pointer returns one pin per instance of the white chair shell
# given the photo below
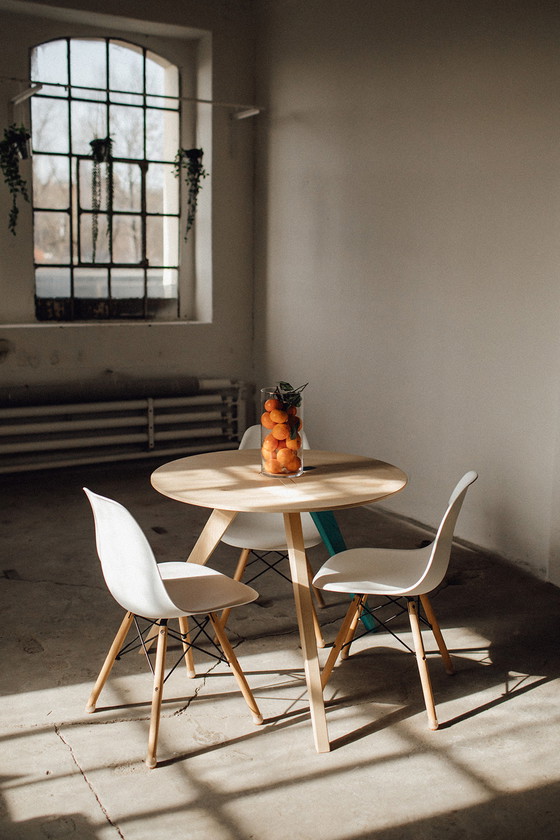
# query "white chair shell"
(395, 573)
(158, 593)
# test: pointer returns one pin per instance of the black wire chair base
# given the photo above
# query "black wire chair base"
(262, 557)
(143, 640)
(399, 605)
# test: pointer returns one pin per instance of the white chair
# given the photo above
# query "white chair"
(263, 533)
(396, 573)
(158, 592)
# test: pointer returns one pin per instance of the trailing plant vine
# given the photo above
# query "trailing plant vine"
(189, 161)
(13, 148)
(101, 153)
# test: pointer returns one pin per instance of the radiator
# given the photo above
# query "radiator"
(34, 437)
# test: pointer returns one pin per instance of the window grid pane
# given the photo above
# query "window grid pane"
(118, 239)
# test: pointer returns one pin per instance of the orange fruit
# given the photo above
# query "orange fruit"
(271, 404)
(292, 409)
(281, 431)
(272, 466)
(269, 443)
(266, 420)
(282, 443)
(294, 443)
(285, 457)
(278, 415)
(294, 465)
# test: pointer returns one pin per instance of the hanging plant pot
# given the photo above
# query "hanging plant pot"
(101, 149)
(13, 148)
(189, 161)
(101, 153)
(20, 139)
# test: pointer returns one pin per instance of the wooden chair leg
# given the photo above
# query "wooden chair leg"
(433, 622)
(236, 668)
(238, 574)
(316, 592)
(242, 563)
(157, 696)
(352, 611)
(143, 649)
(422, 664)
(186, 634)
(317, 627)
(118, 641)
(352, 629)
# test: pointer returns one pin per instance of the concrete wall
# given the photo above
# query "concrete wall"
(220, 343)
(408, 249)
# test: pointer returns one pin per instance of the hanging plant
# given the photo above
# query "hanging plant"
(189, 161)
(101, 153)
(13, 148)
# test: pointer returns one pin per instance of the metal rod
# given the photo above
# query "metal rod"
(216, 103)
(26, 94)
(106, 440)
(135, 455)
(116, 405)
(105, 423)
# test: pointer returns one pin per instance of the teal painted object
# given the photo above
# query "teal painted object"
(326, 524)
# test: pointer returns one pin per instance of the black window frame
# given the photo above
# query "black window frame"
(73, 307)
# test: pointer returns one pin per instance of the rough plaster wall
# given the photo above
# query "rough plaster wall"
(38, 354)
(408, 251)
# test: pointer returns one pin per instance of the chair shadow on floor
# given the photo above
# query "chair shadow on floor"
(357, 683)
(470, 678)
(513, 663)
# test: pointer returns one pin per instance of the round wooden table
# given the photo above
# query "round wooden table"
(230, 482)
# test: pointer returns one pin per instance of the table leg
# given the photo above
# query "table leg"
(211, 535)
(304, 612)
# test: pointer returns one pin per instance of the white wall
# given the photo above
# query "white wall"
(406, 236)
(221, 343)
(408, 247)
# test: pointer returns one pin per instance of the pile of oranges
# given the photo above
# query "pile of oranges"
(281, 444)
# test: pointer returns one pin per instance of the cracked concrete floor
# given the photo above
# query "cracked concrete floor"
(492, 770)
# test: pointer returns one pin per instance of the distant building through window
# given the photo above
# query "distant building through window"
(106, 231)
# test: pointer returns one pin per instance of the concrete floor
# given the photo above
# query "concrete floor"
(492, 770)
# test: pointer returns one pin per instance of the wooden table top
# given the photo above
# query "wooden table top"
(232, 480)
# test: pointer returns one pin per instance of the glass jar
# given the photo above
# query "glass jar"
(281, 439)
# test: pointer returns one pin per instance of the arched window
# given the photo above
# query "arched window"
(106, 203)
